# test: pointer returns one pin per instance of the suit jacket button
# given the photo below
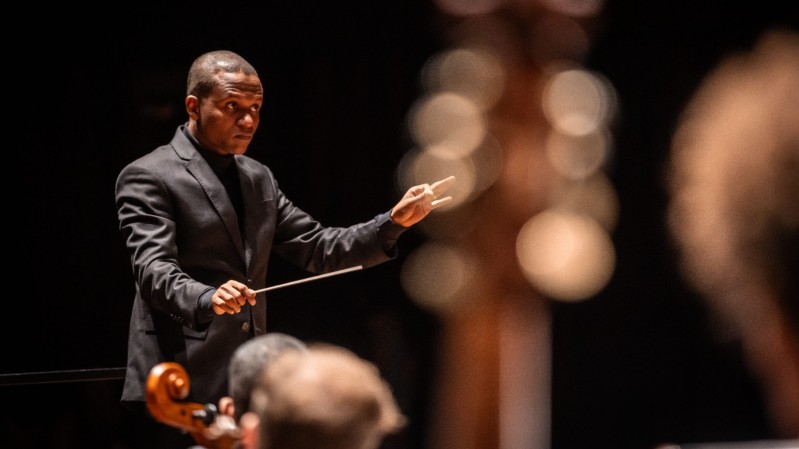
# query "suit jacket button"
(245, 327)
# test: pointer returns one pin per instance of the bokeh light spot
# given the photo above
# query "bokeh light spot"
(436, 276)
(576, 102)
(447, 120)
(567, 256)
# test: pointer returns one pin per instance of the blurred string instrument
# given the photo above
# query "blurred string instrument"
(167, 388)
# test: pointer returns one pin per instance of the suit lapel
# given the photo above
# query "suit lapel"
(251, 214)
(212, 186)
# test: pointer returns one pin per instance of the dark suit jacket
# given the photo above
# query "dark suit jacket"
(184, 240)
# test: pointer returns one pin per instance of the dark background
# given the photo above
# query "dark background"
(90, 90)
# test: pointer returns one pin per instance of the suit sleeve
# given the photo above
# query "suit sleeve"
(147, 222)
(318, 249)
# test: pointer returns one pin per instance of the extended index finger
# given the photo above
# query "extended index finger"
(439, 187)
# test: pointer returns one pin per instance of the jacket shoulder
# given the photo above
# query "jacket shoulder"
(177, 150)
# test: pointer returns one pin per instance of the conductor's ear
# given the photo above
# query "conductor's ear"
(192, 106)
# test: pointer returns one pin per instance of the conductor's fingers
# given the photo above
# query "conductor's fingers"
(249, 296)
(230, 302)
(441, 186)
(223, 308)
(441, 201)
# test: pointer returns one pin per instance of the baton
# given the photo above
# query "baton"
(312, 278)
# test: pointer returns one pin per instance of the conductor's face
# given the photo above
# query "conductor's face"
(226, 120)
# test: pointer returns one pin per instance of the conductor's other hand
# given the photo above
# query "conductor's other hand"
(419, 200)
(229, 297)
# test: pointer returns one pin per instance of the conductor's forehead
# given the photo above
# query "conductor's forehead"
(238, 84)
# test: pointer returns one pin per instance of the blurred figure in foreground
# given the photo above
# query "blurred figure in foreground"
(734, 211)
(323, 397)
(246, 365)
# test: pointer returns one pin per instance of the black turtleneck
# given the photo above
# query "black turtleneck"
(226, 170)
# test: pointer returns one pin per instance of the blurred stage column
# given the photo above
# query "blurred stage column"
(509, 110)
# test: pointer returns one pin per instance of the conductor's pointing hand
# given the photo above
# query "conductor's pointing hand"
(419, 200)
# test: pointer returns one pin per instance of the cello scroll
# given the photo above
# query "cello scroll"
(168, 386)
